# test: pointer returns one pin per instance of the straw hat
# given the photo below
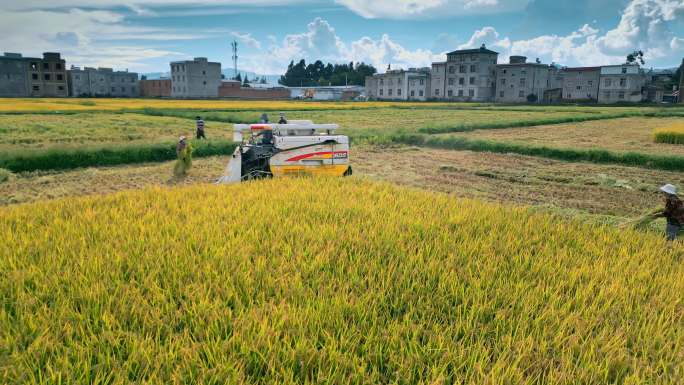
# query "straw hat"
(669, 189)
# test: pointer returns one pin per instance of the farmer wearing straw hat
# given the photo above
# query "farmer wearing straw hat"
(674, 211)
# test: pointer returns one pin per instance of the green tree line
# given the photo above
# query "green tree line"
(319, 74)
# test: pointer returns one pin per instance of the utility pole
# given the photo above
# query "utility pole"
(234, 45)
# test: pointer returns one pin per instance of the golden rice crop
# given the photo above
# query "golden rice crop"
(80, 104)
(673, 134)
(330, 281)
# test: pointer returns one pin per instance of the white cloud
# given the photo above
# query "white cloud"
(320, 42)
(644, 25)
(83, 37)
(403, 9)
(247, 39)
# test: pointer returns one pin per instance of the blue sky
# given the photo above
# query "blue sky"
(144, 35)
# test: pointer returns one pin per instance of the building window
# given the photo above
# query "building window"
(61, 88)
(422, 82)
(381, 92)
(36, 88)
(522, 82)
(503, 82)
(590, 83)
(58, 66)
(60, 77)
(471, 93)
(413, 82)
(382, 81)
(608, 83)
(523, 72)
(461, 81)
(472, 81)
(501, 94)
(473, 58)
(34, 66)
(436, 91)
(420, 93)
(34, 76)
(473, 68)
(504, 71)
(46, 66)
(606, 94)
(623, 82)
(578, 88)
(389, 92)
(452, 69)
(398, 91)
(621, 95)
(624, 70)
(413, 93)
(462, 69)
(450, 93)
(77, 77)
(460, 93)
(204, 72)
(46, 76)
(391, 82)
(521, 94)
(113, 89)
(451, 81)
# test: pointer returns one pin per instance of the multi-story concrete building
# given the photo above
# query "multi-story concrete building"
(156, 88)
(198, 78)
(102, 82)
(467, 75)
(681, 84)
(581, 84)
(47, 76)
(413, 84)
(522, 82)
(13, 75)
(621, 83)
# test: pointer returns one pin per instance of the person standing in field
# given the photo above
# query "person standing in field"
(673, 212)
(184, 154)
(263, 119)
(282, 119)
(200, 128)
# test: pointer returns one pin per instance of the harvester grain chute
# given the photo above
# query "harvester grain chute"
(299, 147)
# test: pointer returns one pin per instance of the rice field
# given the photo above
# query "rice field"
(122, 104)
(619, 135)
(29, 131)
(329, 281)
(672, 134)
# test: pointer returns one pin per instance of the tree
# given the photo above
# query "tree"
(636, 57)
(238, 78)
(245, 83)
(319, 74)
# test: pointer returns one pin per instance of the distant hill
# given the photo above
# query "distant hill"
(228, 73)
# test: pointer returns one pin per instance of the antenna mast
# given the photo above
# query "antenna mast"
(234, 45)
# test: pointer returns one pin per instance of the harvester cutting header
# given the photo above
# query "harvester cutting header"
(293, 148)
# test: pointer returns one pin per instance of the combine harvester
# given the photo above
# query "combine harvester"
(299, 147)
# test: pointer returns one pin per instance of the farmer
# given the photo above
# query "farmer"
(200, 128)
(182, 143)
(282, 119)
(674, 211)
(263, 119)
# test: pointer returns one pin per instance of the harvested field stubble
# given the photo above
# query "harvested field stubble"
(357, 283)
